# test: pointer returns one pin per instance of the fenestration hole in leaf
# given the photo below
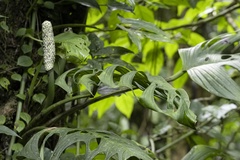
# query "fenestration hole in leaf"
(133, 158)
(94, 144)
(226, 57)
(51, 141)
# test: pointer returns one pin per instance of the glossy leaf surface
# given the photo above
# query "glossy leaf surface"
(206, 65)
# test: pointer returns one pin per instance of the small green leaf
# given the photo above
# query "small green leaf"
(31, 71)
(4, 26)
(48, 5)
(7, 131)
(201, 152)
(4, 82)
(17, 147)
(25, 116)
(2, 119)
(16, 77)
(19, 125)
(39, 98)
(26, 48)
(24, 61)
(21, 32)
(40, 2)
(21, 96)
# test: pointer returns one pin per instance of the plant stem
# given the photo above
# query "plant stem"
(51, 89)
(78, 127)
(79, 25)
(209, 19)
(81, 107)
(31, 8)
(37, 119)
(169, 145)
(22, 88)
(182, 137)
(30, 131)
(33, 82)
(175, 76)
(19, 110)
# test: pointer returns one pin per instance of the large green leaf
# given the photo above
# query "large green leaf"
(73, 47)
(201, 152)
(206, 65)
(152, 86)
(118, 77)
(109, 144)
(178, 101)
(137, 29)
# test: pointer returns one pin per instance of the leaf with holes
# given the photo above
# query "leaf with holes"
(201, 152)
(108, 77)
(73, 47)
(109, 144)
(208, 65)
(152, 86)
(178, 101)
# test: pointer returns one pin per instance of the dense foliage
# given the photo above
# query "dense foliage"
(119, 79)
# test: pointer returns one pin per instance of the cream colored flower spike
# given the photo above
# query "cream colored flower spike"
(48, 45)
